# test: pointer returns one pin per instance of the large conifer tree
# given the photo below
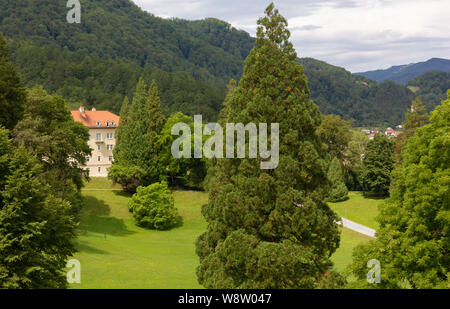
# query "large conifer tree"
(270, 228)
(141, 122)
(413, 240)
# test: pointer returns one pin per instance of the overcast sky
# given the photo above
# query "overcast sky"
(359, 35)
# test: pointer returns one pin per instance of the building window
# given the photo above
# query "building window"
(110, 158)
(109, 135)
(98, 123)
(109, 147)
(99, 147)
(99, 158)
(88, 159)
(99, 137)
(99, 169)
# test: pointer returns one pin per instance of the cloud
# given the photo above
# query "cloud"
(359, 35)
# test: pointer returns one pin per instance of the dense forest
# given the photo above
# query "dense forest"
(98, 62)
(431, 88)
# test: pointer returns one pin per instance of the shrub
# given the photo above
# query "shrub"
(128, 177)
(153, 207)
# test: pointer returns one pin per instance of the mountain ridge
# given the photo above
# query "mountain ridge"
(402, 74)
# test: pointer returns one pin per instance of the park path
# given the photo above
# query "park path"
(357, 227)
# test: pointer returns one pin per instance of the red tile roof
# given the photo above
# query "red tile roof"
(96, 119)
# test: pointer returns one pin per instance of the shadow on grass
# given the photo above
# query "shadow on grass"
(95, 218)
(84, 247)
(374, 196)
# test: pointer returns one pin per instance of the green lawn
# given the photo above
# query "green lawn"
(115, 253)
(359, 209)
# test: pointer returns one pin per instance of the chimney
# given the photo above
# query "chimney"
(81, 109)
(93, 109)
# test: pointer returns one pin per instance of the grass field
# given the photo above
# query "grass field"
(115, 253)
(359, 209)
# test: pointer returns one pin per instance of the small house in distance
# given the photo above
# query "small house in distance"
(102, 129)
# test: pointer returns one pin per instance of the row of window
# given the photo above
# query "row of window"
(99, 169)
(108, 123)
(108, 147)
(99, 136)
(100, 159)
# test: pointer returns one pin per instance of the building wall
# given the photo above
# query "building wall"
(94, 164)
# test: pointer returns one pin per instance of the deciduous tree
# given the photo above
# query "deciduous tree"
(413, 238)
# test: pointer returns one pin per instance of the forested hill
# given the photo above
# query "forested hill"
(431, 87)
(98, 62)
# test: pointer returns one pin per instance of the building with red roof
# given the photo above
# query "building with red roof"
(102, 128)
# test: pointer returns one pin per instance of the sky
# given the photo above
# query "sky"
(359, 35)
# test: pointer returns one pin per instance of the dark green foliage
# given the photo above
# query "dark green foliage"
(36, 228)
(270, 228)
(377, 165)
(184, 171)
(433, 88)
(355, 98)
(99, 61)
(153, 207)
(416, 117)
(353, 160)
(137, 136)
(339, 191)
(129, 177)
(12, 95)
(49, 132)
(414, 224)
(336, 133)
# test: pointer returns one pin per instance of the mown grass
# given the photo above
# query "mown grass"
(359, 208)
(115, 253)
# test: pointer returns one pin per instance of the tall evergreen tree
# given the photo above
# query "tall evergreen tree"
(377, 165)
(36, 228)
(12, 95)
(413, 239)
(135, 153)
(339, 191)
(270, 228)
(154, 123)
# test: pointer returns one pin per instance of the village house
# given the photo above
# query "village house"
(102, 128)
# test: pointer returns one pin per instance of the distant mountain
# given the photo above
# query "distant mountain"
(404, 73)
